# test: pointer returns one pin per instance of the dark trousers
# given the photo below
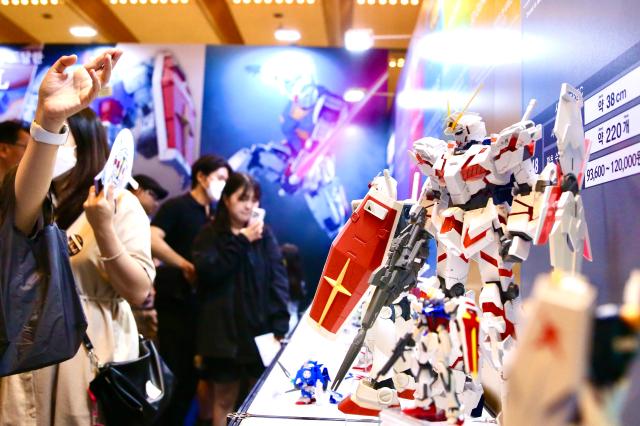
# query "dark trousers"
(176, 338)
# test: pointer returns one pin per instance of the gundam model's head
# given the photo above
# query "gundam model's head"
(465, 127)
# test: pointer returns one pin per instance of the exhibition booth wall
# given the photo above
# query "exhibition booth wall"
(288, 115)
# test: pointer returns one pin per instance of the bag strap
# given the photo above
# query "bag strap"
(48, 210)
(93, 358)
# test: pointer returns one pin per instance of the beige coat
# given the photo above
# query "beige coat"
(57, 395)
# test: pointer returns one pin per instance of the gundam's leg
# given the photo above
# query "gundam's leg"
(499, 301)
(371, 396)
(452, 271)
(427, 384)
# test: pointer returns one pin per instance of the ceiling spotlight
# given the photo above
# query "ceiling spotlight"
(393, 2)
(287, 35)
(83, 31)
(404, 2)
(5, 2)
(382, 2)
(371, 2)
(400, 62)
(361, 2)
(358, 40)
(54, 2)
(311, 1)
(392, 63)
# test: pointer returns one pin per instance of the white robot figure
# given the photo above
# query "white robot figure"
(444, 359)
(467, 196)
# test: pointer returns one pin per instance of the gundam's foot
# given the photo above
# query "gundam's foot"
(431, 413)
(304, 400)
(405, 385)
(348, 406)
(455, 417)
(407, 394)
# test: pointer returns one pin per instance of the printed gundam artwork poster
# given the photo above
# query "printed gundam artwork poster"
(310, 124)
(155, 91)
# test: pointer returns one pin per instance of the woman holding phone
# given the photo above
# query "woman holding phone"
(243, 292)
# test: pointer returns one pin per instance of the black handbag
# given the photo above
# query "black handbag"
(132, 392)
(41, 318)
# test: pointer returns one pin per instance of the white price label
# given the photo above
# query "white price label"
(618, 93)
(615, 130)
(616, 165)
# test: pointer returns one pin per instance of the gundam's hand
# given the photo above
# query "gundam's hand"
(508, 250)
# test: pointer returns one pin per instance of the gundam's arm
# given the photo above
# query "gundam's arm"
(521, 220)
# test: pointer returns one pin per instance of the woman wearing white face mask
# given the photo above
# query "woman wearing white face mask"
(109, 252)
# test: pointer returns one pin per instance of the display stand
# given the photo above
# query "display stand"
(271, 403)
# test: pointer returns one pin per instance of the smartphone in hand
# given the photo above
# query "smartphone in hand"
(257, 215)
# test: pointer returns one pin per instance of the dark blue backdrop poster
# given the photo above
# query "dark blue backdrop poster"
(310, 123)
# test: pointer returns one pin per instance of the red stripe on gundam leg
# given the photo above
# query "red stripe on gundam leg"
(505, 272)
(467, 242)
(459, 359)
(510, 329)
(489, 259)
(442, 257)
(450, 223)
(463, 257)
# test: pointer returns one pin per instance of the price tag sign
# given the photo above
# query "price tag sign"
(614, 166)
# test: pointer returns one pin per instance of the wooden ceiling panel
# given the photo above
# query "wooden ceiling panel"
(257, 22)
(387, 20)
(167, 23)
(54, 30)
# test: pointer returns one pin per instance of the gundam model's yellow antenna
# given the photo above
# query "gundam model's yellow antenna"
(455, 123)
(448, 108)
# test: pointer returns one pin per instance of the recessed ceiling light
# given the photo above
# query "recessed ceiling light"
(287, 34)
(83, 31)
(358, 40)
(5, 2)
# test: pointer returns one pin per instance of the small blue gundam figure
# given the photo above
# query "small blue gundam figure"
(307, 379)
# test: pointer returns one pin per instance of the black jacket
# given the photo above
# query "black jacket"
(243, 292)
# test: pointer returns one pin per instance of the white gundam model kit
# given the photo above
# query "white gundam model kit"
(484, 203)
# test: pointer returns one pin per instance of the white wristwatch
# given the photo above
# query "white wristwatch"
(43, 136)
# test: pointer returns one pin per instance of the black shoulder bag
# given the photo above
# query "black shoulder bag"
(135, 392)
(41, 318)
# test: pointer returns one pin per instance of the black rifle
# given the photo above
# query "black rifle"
(399, 273)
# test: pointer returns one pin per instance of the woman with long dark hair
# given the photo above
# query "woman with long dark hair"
(243, 292)
(110, 254)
